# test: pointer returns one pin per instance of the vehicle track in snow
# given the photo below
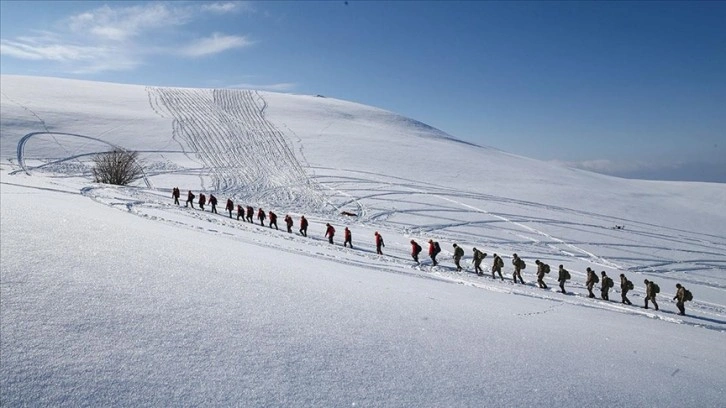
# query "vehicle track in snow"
(245, 155)
(461, 216)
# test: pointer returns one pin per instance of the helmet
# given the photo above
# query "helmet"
(678, 285)
(514, 255)
(646, 281)
(622, 275)
(603, 273)
(537, 261)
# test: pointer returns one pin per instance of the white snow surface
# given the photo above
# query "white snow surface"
(114, 296)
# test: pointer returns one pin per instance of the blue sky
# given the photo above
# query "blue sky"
(636, 89)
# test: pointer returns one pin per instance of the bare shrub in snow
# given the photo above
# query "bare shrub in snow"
(119, 167)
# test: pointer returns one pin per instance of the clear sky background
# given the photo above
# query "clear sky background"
(636, 89)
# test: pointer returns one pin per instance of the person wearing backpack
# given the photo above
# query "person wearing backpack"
(681, 298)
(240, 212)
(625, 286)
(175, 193)
(273, 219)
(458, 254)
(379, 243)
(497, 266)
(651, 289)
(303, 226)
(190, 199)
(605, 284)
(415, 250)
(202, 201)
(288, 223)
(518, 266)
(261, 216)
(213, 203)
(562, 277)
(249, 214)
(329, 232)
(590, 282)
(347, 238)
(478, 258)
(230, 207)
(542, 269)
(434, 249)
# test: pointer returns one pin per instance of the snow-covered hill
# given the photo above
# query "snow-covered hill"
(116, 296)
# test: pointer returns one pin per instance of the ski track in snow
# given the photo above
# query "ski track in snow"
(246, 156)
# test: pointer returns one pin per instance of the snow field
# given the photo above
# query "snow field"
(115, 296)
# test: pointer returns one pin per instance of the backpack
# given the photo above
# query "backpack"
(595, 278)
(609, 282)
(656, 288)
(630, 285)
(437, 248)
(546, 268)
(417, 249)
(522, 264)
(500, 262)
(567, 274)
(689, 295)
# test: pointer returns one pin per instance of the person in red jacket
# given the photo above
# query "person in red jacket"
(303, 226)
(230, 208)
(240, 212)
(329, 232)
(261, 216)
(250, 213)
(273, 220)
(348, 238)
(202, 200)
(379, 243)
(288, 223)
(434, 250)
(415, 250)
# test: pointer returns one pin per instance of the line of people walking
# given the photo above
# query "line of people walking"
(434, 248)
(682, 296)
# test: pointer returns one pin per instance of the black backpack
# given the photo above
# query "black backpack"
(437, 248)
(630, 285)
(546, 268)
(689, 295)
(610, 282)
(417, 249)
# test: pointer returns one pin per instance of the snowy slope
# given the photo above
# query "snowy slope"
(115, 296)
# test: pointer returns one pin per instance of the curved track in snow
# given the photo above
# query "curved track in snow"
(24, 140)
